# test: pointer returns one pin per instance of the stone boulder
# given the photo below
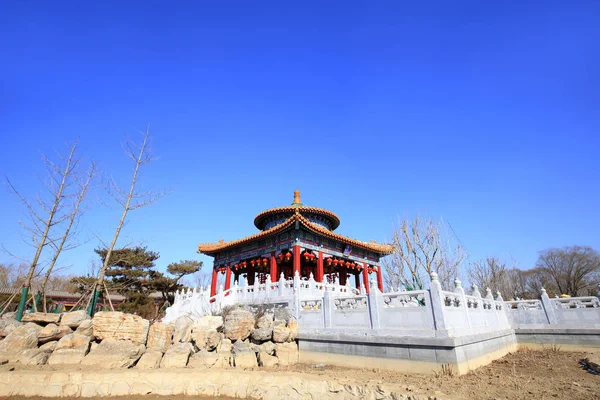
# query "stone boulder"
(160, 336)
(204, 359)
(74, 318)
(293, 327)
(266, 360)
(70, 349)
(177, 355)
(265, 322)
(283, 314)
(86, 328)
(262, 334)
(150, 360)
(9, 315)
(245, 360)
(287, 353)
(41, 318)
(225, 346)
(213, 339)
(21, 338)
(52, 332)
(238, 324)
(112, 353)
(267, 347)
(183, 330)
(241, 347)
(281, 334)
(7, 326)
(209, 322)
(37, 356)
(120, 326)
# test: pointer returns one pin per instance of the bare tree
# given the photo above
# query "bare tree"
(129, 200)
(574, 270)
(491, 273)
(47, 214)
(68, 233)
(419, 249)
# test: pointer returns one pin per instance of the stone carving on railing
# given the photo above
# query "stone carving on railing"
(451, 299)
(350, 303)
(472, 301)
(524, 305)
(576, 302)
(311, 305)
(414, 298)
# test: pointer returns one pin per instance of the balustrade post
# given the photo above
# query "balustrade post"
(281, 284)
(268, 286)
(548, 308)
(458, 289)
(328, 308)
(375, 302)
(297, 295)
(437, 305)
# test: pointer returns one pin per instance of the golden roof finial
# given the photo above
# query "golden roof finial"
(297, 201)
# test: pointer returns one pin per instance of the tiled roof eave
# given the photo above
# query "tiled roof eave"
(212, 248)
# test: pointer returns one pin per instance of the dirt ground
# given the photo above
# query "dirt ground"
(526, 374)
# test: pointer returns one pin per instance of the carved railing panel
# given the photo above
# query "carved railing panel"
(414, 298)
(523, 305)
(311, 305)
(350, 303)
(576, 302)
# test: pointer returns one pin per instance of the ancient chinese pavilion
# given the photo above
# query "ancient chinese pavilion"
(296, 238)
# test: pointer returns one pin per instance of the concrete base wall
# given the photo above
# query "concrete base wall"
(407, 354)
(566, 338)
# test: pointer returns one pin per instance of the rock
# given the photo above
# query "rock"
(21, 338)
(593, 362)
(41, 318)
(85, 328)
(279, 322)
(112, 353)
(70, 349)
(50, 346)
(262, 334)
(266, 360)
(283, 314)
(293, 327)
(8, 325)
(241, 347)
(177, 355)
(160, 336)
(245, 360)
(213, 338)
(120, 326)
(287, 353)
(9, 315)
(281, 334)
(74, 318)
(265, 322)
(205, 359)
(52, 332)
(238, 324)
(267, 347)
(183, 330)
(209, 322)
(150, 360)
(35, 356)
(225, 346)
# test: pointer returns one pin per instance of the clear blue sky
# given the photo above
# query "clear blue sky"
(485, 114)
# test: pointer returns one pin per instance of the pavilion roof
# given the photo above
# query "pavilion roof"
(212, 248)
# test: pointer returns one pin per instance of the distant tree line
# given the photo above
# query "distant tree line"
(421, 246)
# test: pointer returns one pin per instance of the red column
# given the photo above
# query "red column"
(250, 274)
(379, 278)
(365, 274)
(273, 271)
(320, 270)
(228, 277)
(213, 284)
(357, 280)
(296, 260)
(343, 275)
